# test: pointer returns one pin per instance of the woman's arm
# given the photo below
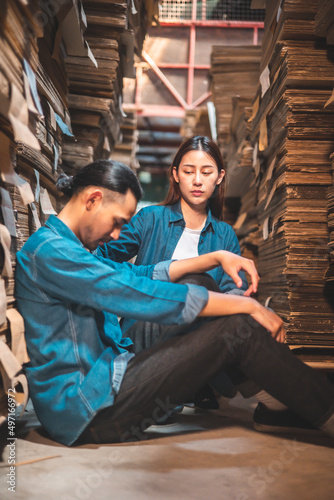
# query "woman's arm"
(128, 243)
(230, 262)
(220, 304)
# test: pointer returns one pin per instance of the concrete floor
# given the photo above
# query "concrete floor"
(201, 456)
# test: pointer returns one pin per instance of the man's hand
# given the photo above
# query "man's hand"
(223, 304)
(270, 321)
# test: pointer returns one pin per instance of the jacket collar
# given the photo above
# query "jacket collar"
(176, 212)
(61, 229)
(177, 216)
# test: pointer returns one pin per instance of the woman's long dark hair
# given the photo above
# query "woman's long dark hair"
(109, 174)
(197, 143)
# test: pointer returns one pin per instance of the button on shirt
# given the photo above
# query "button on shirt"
(70, 300)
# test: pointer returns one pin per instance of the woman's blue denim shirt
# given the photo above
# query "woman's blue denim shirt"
(152, 236)
(70, 300)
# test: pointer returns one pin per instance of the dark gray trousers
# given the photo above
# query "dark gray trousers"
(172, 368)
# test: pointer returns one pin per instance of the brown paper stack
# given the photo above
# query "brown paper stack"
(329, 277)
(293, 131)
(27, 140)
(234, 71)
(110, 33)
(69, 57)
(125, 151)
(241, 177)
(324, 20)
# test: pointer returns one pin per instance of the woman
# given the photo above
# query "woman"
(188, 223)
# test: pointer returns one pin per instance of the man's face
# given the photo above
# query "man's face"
(104, 219)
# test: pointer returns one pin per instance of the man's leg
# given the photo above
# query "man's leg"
(145, 334)
(171, 372)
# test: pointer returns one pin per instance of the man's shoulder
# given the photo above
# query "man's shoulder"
(42, 240)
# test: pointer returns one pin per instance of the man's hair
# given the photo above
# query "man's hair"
(107, 174)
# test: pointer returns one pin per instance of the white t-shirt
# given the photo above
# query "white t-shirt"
(187, 245)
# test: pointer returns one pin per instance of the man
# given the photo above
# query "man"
(85, 384)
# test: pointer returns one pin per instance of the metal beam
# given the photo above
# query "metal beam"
(156, 110)
(255, 36)
(139, 85)
(212, 24)
(182, 66)
(200, 100)
(165, 80)
(191, 60)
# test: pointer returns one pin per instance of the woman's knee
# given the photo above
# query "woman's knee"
(239, 331)
(200, 279)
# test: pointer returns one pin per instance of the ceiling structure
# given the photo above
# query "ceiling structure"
(171, 90)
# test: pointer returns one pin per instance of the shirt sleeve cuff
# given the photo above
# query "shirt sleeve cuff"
(161, 271)
(197, 298)
(235, 291)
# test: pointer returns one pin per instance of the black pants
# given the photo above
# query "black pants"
(185, 358)
(145, 335)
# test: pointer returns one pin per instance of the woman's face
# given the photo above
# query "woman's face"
(197, 177)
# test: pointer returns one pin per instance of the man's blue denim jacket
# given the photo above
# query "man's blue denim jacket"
(70, 300)
(152, 236)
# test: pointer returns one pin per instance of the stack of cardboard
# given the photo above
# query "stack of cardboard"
(234, 78)
(324, 20)
(125, 151)
(100, 41)
(292, 131)
(196, 122)
(49, 79)
(234, 71)
(28, 144)
(91, 35)
(329, 277)
(241, 178)
(288, 20)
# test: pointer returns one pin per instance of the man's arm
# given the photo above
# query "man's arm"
(222, 304)
(116, 289)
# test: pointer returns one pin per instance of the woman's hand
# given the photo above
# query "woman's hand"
(233, 264)
(230, 262)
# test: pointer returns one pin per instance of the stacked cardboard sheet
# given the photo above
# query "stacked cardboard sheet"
(288, 20)
(125, 151)
(28, 143)
(99, 52)
(293, 133)
(329, 277)
(324, 20)
(240, 177)
(234, 71)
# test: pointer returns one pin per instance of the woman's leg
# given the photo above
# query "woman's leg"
(145, 334)
(171, 372)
